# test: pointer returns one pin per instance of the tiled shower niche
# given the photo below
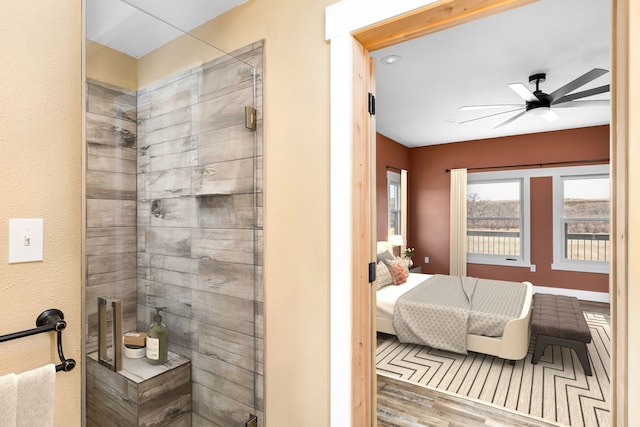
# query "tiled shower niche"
(174, 219)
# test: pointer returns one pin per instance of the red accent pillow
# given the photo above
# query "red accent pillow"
(398, 274)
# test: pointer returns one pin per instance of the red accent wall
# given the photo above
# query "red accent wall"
(429, 199)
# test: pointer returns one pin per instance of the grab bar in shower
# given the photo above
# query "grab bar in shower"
(48, 320)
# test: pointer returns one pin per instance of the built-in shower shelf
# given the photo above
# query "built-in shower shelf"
(139, 394)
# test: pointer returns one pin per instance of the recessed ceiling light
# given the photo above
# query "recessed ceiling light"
(390, 59)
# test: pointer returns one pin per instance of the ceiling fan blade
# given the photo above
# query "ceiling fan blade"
(584, 103)
(583, 94)
(523, 91)
(575, 84)
(490, 115)
(510, 120)
(482, 107)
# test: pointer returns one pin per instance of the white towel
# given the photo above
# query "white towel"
(8, 399)
(36, 397)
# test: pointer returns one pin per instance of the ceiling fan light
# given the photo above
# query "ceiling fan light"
(545, 112)
(550, 115)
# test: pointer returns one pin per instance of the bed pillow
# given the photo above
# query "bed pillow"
(385, 256)
(383, 276)
(404, 262)
(398, 274)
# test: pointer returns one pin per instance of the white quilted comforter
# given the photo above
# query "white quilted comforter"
(442, 310)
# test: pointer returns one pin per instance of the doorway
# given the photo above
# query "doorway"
(386, 25)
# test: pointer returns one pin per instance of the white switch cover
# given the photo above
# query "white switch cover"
(26, 239)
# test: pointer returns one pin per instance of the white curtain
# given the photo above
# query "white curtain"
(403, 209)
(458, 234)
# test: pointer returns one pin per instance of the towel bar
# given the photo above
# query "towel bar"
(48, 320)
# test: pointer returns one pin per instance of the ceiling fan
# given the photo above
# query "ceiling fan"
(540, 103)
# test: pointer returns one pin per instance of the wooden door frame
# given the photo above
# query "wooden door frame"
(363, 223)
(371, 29)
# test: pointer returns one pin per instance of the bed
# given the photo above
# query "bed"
(513, 344)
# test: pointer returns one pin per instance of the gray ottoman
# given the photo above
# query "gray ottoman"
(558, 320)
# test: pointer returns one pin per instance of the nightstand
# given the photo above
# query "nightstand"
(416, 269)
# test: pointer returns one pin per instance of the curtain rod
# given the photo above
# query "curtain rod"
(537, 164)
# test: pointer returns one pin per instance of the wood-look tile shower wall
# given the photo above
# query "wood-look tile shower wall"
(111, 204)
(199, 229)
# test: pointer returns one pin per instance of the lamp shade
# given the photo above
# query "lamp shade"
(396, 240)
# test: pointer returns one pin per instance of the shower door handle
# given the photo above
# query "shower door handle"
(115, 362)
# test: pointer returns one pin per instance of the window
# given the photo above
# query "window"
(496, 220)
(581, 222)
(394, 203)
(498, 217)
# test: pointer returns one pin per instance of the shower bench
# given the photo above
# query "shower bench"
(139, 394)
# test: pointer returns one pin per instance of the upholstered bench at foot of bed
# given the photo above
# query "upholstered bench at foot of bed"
(558, 320)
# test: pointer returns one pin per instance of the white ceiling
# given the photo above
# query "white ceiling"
(138, 30)
(417, 98)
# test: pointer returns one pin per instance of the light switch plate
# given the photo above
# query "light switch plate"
(26, 240)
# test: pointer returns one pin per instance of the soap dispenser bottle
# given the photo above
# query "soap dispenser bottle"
(157, 340)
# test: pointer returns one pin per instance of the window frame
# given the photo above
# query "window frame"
(559, 260)
(524, 260)
(394, 178)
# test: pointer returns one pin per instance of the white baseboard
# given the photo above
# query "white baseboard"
(581, 295)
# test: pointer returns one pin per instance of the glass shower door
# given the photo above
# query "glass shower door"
(174, 193)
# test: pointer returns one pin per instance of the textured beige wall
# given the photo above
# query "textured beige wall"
(40, 177)
(110, 66)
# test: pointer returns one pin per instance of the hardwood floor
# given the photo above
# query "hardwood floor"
(401, 404)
